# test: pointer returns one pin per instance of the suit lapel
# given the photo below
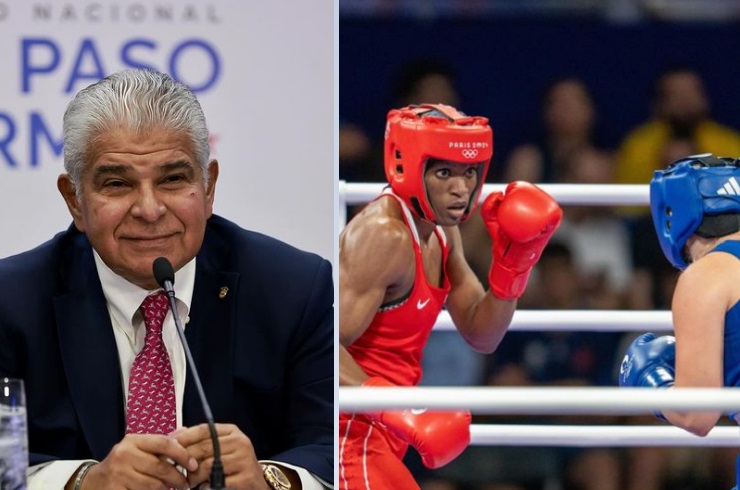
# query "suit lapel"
(89, 354)
(210, 334)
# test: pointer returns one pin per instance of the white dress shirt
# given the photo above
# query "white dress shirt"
(123, 301)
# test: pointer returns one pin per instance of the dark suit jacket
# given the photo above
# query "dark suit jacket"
(264, 352)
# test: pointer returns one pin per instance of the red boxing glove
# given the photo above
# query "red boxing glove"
(439, 437)
(520, 222)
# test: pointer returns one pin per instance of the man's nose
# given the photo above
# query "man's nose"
(148, 205)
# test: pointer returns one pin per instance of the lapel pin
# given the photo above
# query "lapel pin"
(223, 292)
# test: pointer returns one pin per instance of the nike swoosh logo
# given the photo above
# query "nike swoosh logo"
(420, 305)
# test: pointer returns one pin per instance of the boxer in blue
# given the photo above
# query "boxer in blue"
(695, 205)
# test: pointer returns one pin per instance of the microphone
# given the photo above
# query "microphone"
(165, 276)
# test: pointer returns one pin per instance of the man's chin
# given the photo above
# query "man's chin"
(142, 276)
(139, 269)
(149, 246)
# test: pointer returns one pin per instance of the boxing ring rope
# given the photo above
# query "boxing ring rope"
(541, 401)
(565, 194)
(580, 321)
(599, 436)
(558, 401)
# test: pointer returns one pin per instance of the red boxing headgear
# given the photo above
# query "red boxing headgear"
(414, 134)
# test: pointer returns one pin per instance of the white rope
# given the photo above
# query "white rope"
(581, 321)
(565, 194)
(541, 401)
(599, 436)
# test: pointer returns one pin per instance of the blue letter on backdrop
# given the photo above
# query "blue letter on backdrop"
(27, 70)
(86, 48)
(5, 142)
(38, 128)
(210, 51)
(128, 47)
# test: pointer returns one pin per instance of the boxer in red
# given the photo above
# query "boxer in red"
(401, 261)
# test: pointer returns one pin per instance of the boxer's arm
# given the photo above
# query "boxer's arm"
(703, 294)
(373, 256)
(520, 222)
(480, 317)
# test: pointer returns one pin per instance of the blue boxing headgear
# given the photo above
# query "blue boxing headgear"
(694, 195)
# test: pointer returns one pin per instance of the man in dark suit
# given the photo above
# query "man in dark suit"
(258, 315)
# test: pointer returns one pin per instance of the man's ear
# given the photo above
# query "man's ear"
(211, 187)
(68, 190)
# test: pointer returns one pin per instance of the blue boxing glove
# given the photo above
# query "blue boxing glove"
(649, 362)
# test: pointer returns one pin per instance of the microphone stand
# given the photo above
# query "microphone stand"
(217, 478)
(165, 276)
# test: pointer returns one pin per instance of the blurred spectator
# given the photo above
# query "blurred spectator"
(568, 119)
(653, 277)
(600, 240)
(353, 151)
(355, 158)
(417, 82)
(680, 110)
(426, 81)
(556, 285)
(613, 10)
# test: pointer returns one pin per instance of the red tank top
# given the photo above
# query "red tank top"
(392, 345)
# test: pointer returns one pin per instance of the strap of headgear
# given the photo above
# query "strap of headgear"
(450, 113)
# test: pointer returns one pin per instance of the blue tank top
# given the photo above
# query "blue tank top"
(732, 330)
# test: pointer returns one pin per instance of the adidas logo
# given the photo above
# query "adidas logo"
(731, 188)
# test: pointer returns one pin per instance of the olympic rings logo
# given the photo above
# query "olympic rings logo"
(470, 153)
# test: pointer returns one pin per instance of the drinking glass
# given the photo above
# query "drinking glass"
(13, 435)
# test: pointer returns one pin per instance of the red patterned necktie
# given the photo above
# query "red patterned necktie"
(150, 408)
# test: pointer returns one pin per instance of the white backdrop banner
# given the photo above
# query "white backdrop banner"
(263, 71)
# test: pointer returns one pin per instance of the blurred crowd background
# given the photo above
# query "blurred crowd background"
(577, 91)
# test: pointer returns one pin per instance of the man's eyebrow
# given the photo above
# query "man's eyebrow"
(116, 169)
(178, 165)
